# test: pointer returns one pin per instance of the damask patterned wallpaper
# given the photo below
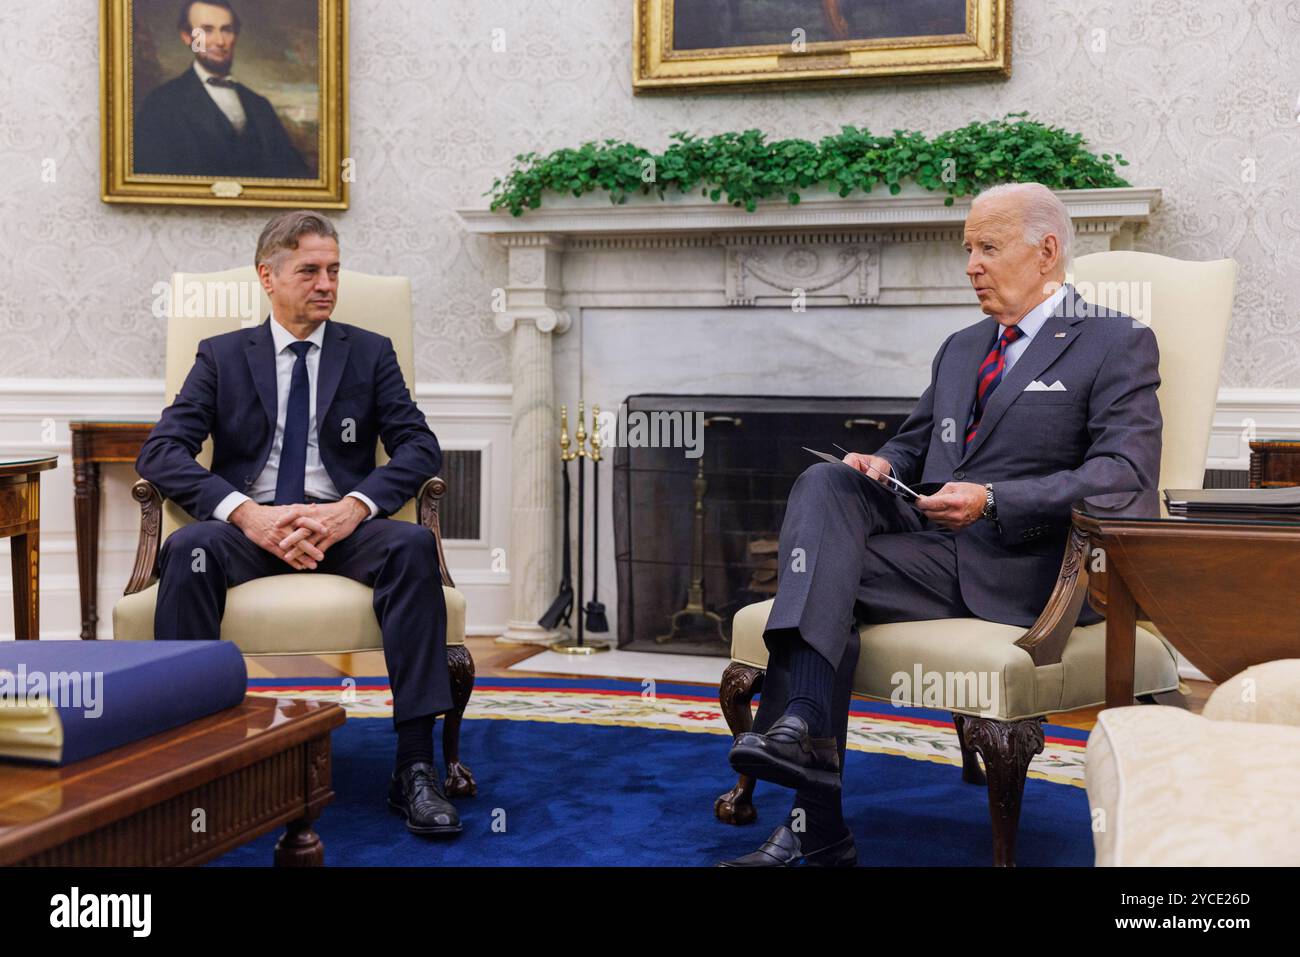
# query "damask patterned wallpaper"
(1200, 95)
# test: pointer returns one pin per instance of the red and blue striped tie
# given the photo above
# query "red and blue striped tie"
(990, 374)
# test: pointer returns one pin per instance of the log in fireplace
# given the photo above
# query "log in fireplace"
(696, 522)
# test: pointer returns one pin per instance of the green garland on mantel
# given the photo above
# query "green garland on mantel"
(746, 168)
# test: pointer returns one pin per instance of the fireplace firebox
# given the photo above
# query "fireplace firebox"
(699, 492)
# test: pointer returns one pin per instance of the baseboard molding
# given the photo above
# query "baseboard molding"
(1189, 671)
(1245, 415)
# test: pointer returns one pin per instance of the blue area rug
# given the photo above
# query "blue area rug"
(565, 792)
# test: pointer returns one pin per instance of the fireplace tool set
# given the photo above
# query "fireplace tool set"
(592, 616)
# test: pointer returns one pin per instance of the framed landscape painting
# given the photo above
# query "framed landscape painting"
(743, 44)
(224, 102)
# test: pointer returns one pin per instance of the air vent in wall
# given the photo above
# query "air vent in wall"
(462, 505)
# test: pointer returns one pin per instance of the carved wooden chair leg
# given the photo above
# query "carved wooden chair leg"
(460, 781)
(971, 772)
(739, 685)
(1007, 747)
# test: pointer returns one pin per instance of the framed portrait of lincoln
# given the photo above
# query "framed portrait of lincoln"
(746, 44)
(225, 102)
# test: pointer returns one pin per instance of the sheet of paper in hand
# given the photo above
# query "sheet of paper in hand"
(891, 483)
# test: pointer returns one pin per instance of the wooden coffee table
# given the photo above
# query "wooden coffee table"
(185, 796)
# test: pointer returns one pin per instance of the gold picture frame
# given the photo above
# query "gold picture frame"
(829, 51)
(291, 145)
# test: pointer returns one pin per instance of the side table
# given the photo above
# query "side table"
(94, 443)
(1274, 464)
(20, 521)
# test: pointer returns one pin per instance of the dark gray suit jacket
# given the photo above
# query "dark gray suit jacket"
(1041, 450)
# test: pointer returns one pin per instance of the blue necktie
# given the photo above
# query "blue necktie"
(291, 479)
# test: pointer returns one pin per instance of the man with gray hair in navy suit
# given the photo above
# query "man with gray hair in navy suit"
(1046, 400)
(295, 408)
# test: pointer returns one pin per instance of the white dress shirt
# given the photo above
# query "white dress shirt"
(1029, 325)
(318, 483)
(226, 98)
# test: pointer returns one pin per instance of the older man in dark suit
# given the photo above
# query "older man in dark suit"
(1046, 400)
(295, 408)
(206, 123)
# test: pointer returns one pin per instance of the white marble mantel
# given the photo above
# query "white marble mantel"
(685, 263)
(690, 213)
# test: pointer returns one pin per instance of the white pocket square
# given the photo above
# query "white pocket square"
(1038, 386)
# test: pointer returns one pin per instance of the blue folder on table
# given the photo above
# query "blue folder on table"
(61, 701)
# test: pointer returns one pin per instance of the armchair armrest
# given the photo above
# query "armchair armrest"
(427, 501)
(144, 573)
(1045, 640)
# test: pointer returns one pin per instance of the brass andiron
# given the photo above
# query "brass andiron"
(597, 621)
(562, 607)
(578, 645)
(695, 617)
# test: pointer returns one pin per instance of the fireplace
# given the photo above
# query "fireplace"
(608, 300)
(696, 523)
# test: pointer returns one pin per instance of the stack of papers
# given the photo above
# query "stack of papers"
(1245, 500)
(908, 495)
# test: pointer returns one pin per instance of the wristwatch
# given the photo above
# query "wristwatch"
(990, 507)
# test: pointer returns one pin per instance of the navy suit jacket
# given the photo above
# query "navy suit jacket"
(180, 131)
(230, 394)
(1041, 450)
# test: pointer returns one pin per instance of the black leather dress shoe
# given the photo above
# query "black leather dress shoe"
(788, 755)
(783, 849)
(415, 793)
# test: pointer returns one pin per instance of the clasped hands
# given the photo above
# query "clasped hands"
(954, 506)
(299, 534)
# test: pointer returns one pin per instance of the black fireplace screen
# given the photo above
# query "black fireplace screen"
(700, 485)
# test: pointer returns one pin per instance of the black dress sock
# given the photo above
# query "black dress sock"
(812, 686)
(817, 818)
(415, 740)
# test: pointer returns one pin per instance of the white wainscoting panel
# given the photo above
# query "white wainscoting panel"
(1246, 415)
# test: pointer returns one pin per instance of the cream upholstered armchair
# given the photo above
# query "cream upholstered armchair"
(322, 614)
(1053, 666)
(1169, 788)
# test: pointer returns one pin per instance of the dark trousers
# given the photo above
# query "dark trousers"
(399, 560)
(852, 552)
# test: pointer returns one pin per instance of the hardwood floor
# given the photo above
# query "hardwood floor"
(1197, 692)
(493, 660)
